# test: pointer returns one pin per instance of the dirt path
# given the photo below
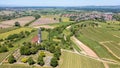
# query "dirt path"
(87, 50)
(45, 26)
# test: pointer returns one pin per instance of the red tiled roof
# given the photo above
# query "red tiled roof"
(35, 39)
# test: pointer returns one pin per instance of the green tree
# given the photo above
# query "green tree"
(31, 61)
(11, 59)
(40, 61)
(25, 50)
(33, 50)
(54, 62)
(52, 49)
(3, 49)
(17, 24)
(42, 54)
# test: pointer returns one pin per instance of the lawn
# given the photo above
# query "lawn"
(16, 31)
(72, 60)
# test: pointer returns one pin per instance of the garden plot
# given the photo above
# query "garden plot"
(22, 21)
(44, 21)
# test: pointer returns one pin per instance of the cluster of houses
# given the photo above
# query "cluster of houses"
(91, 16)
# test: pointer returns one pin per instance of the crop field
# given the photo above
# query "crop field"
(72, 60)
(102, 40)
(4, 26)
(44, 21)
(22, 21)
(3, 30)
(20, 66)
(16, 31)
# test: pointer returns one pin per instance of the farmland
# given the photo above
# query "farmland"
(102, 40)
(22, 21)
(44, 21)
(4, 35)
(72, 60)
(58, 38)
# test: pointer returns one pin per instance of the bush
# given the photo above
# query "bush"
(54, 62)
(24, 50)
(33, 50)
(31, 61)
(3, 49)
(10, 45)
(11, 59)
(24, 60)
(42, 54)
(40, 61)
(17, 24)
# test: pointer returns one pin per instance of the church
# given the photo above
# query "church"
(38, 38)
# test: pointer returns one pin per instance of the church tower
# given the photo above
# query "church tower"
(39, 35)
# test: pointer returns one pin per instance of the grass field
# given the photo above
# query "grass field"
(72, 60)
(7, 29)
(16, 31)
(20, 66)
(22, 21)
(44, 35)
(101, 37)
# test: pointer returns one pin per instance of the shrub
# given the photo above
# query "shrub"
(31, 61)
(42, 54)
(11, 59)
(40, 61)
(24, 60)
(54, 62)
(17, 24)
(3, 49)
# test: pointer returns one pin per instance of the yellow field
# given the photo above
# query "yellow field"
(4, 35)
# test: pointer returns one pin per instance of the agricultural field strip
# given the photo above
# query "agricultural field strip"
(63, 50)
(16, 31)
(41, 21)
(22, 21)
(110, 50)
(75, 60)
(100, 37)
(87, 50)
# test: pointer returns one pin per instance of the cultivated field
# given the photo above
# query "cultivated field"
(16, 31)
(103, 40)
(20, 66)
(44, 21)
(22, 21)
(72, 60)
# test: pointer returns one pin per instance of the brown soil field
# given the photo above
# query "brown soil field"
(4, 26)
(44, 21)
(22, 21)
